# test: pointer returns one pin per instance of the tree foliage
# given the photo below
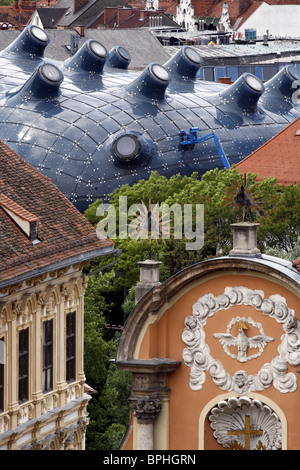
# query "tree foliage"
(279, 219)
(108, 408)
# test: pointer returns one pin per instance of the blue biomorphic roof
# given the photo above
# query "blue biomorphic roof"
(91, 125)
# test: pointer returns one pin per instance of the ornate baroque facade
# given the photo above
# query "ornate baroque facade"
(45, 419)
(44, 243)
(214, 354)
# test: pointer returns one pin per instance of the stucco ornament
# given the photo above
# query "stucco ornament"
(197, 354)
(246, 424)
(242, 341)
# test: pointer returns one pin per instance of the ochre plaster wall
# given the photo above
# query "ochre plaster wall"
(164, 339)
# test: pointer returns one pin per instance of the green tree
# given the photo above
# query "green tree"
(97, 351)
(108, 409)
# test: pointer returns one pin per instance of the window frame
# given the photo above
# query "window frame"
(23, 363)
(71, 344)
(48, 360)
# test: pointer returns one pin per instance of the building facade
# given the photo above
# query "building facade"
(214, 354)
(45, 243)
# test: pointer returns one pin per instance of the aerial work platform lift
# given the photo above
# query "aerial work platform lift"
(190, 138)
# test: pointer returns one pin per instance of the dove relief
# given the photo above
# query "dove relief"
(242, 341)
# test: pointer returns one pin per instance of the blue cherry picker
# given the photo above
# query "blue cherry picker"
(190, 138)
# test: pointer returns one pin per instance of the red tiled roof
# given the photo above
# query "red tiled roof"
(278, 157)
(63, 232)
(245, 14)
(16, 209)
(296, 264)
(47, 3)
(119, 17)
(18, 18)
(236, 8)
(168, 6)
(211, 8)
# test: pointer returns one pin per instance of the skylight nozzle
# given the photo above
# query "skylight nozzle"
(184, 65)
(44, 83)
(118, 57)
(151, 83)
(32, 41)
(90, 57)
(243, 94)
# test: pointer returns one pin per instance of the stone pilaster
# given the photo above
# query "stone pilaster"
(149, 389)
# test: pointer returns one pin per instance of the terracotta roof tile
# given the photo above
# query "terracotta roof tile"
(278, 157)
(17, 17)
(63, 232)
(12, 206)
(296, 264)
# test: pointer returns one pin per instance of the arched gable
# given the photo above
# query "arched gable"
(183, 320)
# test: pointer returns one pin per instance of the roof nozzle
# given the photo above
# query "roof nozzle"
(44, 83)
(184, 65)
(90, 57)
(33, 41)
(118, 58)
(281, 88)
(244, 93)
(151, 83)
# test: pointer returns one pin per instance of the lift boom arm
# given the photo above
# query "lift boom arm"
(191, 138)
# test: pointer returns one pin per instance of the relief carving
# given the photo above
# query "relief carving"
(246, 424)
(197, 353)
(242, 341)
(145, 410)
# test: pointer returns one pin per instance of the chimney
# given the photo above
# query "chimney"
(123, 14)
(245, 240)
(16, 4)
(225, 80)
(109, 13)
(149, 277)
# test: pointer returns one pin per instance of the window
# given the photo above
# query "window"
(71, 346)
(23, 364)
(2, 361)
(47, 355)
(250, 34)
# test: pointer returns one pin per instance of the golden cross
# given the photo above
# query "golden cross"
(247, 432)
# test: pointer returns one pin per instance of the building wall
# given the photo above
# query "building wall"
(280, 20)
(184, 423)
(185, 15)
(46, 420)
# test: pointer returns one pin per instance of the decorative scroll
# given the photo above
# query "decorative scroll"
(197, 354)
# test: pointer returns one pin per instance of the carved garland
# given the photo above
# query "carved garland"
(197, 353)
